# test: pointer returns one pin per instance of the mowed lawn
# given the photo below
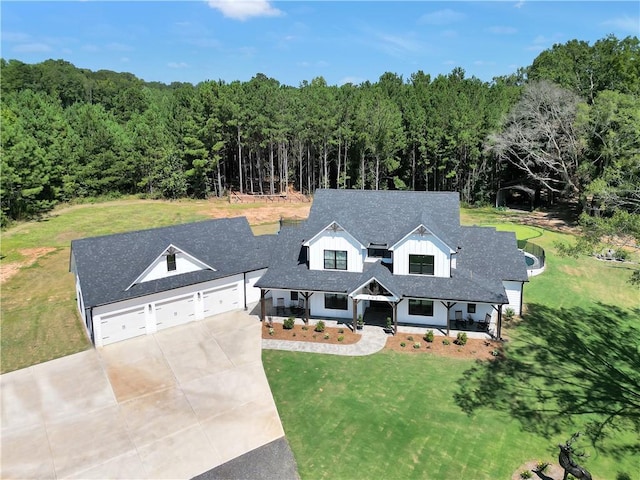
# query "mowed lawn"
(389, 415)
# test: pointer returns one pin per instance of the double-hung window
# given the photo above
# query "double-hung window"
(423, 308)
(335, 260)
(421, 264)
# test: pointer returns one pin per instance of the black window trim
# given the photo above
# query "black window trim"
(172, 265)
(422, 304)
(333, 262)
(331, 301)
(424, 265)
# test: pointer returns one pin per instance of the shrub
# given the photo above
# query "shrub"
(621, 255)
(341, 338)
(541, 466)
(402, 344)
(326, 336)
(389, 323)
(526, 474)
(305, 327)
(461, 339)
(410, 338)
(428, 337)
(446, 341)
(293, 334)
(495, 352)
(341, 330)
(509, 313)
(319, 326)
(416, 345)
(271, 331)
(288, 323)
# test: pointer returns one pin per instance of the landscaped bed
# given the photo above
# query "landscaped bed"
(475, 348)
(307, 333)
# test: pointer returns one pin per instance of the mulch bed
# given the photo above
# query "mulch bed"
(298, 334)
(475, 348)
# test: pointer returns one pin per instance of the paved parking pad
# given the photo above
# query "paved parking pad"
(170, 405)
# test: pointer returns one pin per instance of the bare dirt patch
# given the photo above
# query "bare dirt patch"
(475, 348)
(552, 472)
(297, 333)
(8, 270)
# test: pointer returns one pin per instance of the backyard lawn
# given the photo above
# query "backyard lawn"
(571, 363)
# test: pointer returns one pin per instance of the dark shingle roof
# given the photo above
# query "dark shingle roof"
(108, 265)
(485, 258)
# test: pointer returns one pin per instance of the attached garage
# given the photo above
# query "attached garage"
(122, 325)
(175, 312)
(220, 300)
(137, 283)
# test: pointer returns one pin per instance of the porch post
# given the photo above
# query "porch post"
(263, 306)
(306, 306)
(355, 316)
(499, 325)
(395, 318)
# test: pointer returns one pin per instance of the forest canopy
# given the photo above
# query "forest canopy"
(566, 126)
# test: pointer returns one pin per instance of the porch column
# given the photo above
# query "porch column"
(499, 325)
(306, 306)
(395, 317)
(355, 315)
(263, 306)
(448, 305)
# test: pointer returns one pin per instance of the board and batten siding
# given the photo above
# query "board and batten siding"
(416, 244)
(514, 294)
(317, 307)
(341, 241)
(184, 264)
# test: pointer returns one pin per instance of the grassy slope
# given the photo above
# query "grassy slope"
(389, 415)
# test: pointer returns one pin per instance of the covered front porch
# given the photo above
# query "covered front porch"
(384, 312)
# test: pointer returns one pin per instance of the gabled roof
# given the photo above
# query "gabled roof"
(485, 257)
(108, 265)
(383, 217)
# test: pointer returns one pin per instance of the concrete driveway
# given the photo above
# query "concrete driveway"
(170, 405)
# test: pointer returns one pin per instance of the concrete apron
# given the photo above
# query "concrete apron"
(169, 405)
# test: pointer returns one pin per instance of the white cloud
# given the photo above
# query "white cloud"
(244, 9)
(626, 24)
(177, 65)
(32, 48)
(317, 64)
(499, 30)
(484, 63)
(442, 17)
(351, 79)
(519, 4)
(15, 37)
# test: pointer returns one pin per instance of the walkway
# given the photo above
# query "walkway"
(372, 341)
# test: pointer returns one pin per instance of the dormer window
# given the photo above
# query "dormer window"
(171, 262)
(335, 260)
(421, 264)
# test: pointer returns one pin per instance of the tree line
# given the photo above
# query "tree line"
(569, 124)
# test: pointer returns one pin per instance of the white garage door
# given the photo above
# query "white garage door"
(175, 312)
(221, 300)
(123, 325)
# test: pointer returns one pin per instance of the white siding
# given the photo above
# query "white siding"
(514, 294)
(416, 244)
(253, 293)
(439, 314)
(335, 241)
(184, 264)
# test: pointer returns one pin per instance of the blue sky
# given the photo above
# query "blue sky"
(292, 41)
